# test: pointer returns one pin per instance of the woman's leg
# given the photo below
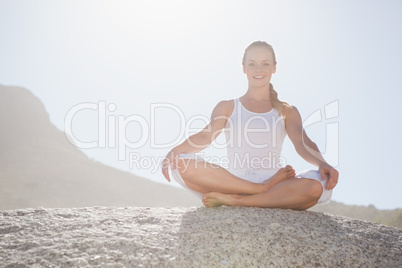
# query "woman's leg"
(206, 177)
(294, 194)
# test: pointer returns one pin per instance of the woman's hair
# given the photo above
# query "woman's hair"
(276, 103)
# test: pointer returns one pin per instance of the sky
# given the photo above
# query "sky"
(146, 74)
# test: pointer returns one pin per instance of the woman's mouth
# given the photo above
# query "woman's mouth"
(259, 76)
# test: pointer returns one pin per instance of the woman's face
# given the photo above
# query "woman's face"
(259, 66)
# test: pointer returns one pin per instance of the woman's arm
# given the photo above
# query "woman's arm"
(201, 140)
(306, 148)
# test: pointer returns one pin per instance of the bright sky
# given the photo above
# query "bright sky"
(340, 59)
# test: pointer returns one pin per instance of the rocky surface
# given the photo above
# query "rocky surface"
(193, 237)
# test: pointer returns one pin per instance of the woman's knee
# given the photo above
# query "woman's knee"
(311, 188)
(312, 178)
(187, 167)
(314, 189)
(183, 166)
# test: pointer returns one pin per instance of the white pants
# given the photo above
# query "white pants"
(258, 177)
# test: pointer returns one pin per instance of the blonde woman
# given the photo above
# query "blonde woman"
(255, 126)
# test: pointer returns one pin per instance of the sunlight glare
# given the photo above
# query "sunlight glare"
(160, 20)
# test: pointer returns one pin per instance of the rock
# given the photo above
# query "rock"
(193, 237)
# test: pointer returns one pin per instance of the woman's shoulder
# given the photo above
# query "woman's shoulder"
(224, 107)
(289, 108)
(290, 111)
(226, 104)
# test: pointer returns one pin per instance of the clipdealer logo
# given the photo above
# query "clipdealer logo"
(112, 132)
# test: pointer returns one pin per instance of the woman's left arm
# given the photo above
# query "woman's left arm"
(306, 148)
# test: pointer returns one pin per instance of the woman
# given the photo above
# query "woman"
(255, 126)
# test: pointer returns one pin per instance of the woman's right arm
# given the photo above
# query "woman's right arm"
(201, 140)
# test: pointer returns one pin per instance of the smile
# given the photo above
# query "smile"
(259, 76)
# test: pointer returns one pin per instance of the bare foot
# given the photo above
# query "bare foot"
(282, 174)
(215, 199)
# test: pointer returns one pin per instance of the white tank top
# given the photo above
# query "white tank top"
(254, 141)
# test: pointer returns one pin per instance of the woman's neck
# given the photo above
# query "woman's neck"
(258, 93)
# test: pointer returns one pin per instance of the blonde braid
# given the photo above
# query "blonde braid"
(276, 103)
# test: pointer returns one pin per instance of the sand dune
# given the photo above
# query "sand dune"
(193, 237)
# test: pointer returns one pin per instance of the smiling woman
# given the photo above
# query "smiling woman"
(247, 122)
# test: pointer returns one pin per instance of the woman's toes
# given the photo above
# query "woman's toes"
(291, 174)
(289, 168)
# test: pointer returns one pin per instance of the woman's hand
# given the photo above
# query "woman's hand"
(325, 169)
(170, 158)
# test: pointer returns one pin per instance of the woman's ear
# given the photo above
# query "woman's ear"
(244, 69)
(274, 71)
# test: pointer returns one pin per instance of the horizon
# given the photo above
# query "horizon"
(126, 58)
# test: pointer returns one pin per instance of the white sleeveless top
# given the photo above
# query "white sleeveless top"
(254, 142)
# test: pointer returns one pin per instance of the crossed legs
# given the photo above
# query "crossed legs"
(299, 194)
(220, 187)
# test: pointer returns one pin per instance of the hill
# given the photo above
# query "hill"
(39, 167)
(369, 213)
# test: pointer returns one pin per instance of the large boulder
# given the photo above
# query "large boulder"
(193, 237)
